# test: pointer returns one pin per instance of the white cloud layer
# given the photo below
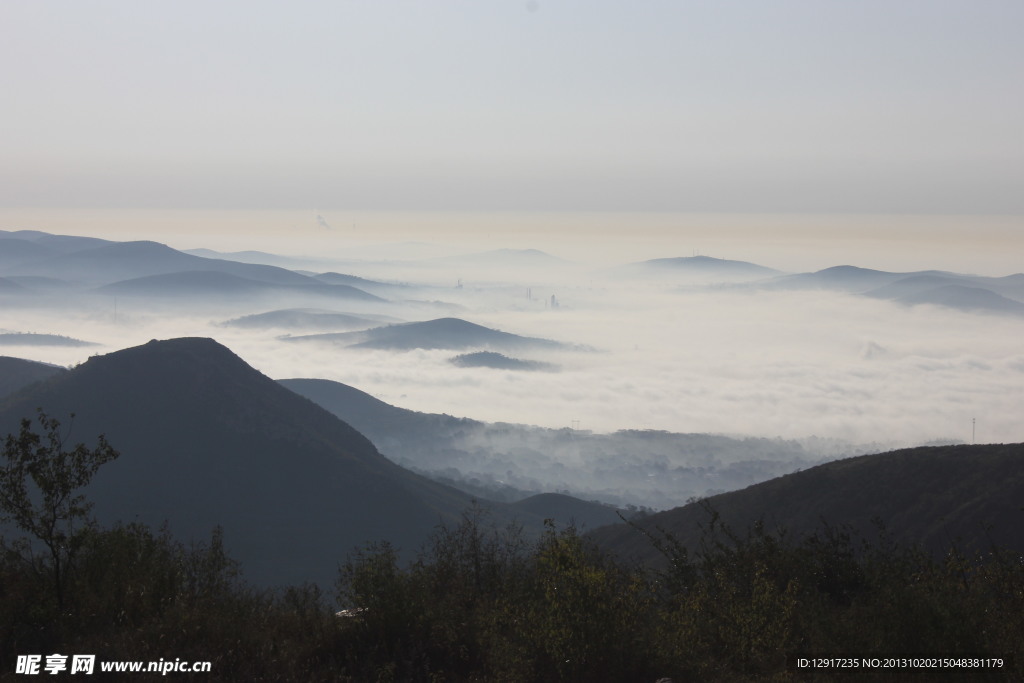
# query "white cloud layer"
(733, 361)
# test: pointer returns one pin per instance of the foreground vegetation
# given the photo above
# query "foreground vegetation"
(488, 604)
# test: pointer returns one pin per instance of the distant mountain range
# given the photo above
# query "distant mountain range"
(701, 267)
(380, 288)
(969, 293)
(442, 333)
(207, 440)
(965, 298)
(144, 268)
(838, 278)
(307, 318)
(34, 339)
(14, 251)
(204, 283)
(497, 361)
(252, 256)
(22, 246)
(33, 262)
(115, 261)
(970, 496)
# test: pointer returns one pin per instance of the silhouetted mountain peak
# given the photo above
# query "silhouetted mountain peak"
(205, 439)
(197, 379)
(201, 352)
(455, 325)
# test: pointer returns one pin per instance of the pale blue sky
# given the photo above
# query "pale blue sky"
(735, 106)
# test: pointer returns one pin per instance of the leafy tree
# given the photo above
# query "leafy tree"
(39, 484)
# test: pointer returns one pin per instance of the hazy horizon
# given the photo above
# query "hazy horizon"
(978, 244)
(668, 355)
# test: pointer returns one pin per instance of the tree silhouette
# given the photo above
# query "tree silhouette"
(39, 484)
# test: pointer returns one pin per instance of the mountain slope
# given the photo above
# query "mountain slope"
(840, 278)
(583, 514)
(914, 284)
(36, 339)
(497, 361)
(14, 251)
(306, 318)
(961, 297)
(114, 261)
(386, 425)
(16, 373)
(217, 283)
(443, 333)
(931, 496)
(962, 292)
(332, 278)
(62, 244)
(633, 467)
(705, 267)
(206, 440)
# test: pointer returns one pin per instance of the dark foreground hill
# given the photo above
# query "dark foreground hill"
(207, 440)
(566, 509)
(16, 373)
(971, 496)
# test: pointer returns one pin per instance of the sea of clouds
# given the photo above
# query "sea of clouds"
(661, 354)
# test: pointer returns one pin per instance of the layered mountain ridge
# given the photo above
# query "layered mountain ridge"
(206, 440)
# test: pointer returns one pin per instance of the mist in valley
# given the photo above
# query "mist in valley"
(660, 382)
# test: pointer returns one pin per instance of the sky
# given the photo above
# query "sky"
(783, 107)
